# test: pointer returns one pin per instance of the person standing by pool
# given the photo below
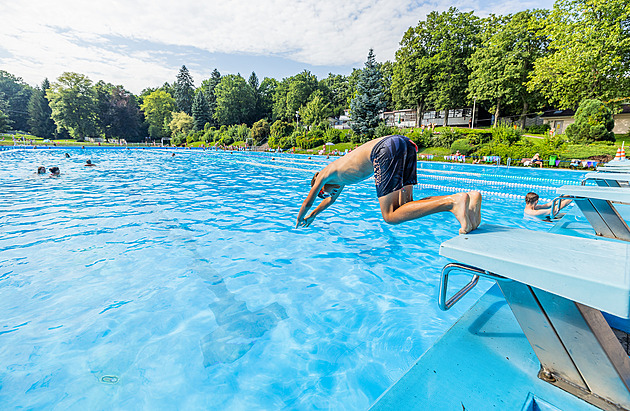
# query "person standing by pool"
(392, 160)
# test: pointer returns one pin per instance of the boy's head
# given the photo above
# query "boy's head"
(531, 198)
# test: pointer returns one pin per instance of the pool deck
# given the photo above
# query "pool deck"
(485, 361)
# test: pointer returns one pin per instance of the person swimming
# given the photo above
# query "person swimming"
(532, 208)
(41, 170)
(54, 171)
(88, 163)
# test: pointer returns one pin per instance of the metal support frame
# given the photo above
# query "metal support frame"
(445, 304)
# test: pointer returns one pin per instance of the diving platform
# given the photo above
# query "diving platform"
(541, 338)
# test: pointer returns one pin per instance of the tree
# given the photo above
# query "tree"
(430, 68)
(589, 52)
(208, 87)
(337, 91)
(260, 131)
(184, 91)
(181, 124)
(73, 103)
(266, 91)
(254, 84)
(158, 107)
(504, 60)
(39, 112)
(4, 122)
(121, 117)
(16, 95)
(292, 93)
(201, 111)
(235, 100)
(593, 122)
(456, 36)
(369, 101)
(316, 110)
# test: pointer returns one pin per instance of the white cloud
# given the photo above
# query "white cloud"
(45, 38)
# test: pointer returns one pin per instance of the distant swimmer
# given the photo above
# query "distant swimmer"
(67, 155)
(540, 210)
(392, 161)
(88, 163)
(54, 171)
(173, 155)
(41, 170)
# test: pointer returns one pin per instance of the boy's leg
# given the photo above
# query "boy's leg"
(459, 204)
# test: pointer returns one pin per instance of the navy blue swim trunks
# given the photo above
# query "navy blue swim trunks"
(394, 161)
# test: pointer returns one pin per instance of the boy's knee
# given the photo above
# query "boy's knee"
(389, 219)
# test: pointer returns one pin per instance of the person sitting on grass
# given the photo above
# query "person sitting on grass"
(392, 161)
(541, 211)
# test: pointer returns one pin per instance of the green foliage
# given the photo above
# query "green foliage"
(446, 137)
(260, 131)
(181, 123)
(158, 107)
(4, 122)
(422, 138)
(209, 135)
(312, 139)
(14, 99)
(506, 134)
(353, 137)
(538, 129)
(235, 100)
(333, 135)
(184, 91)
(292, 93)
(201, 110)
(462, 145)
(384, 130)
(40, 114)
(73, 103)
(369, 101)
(280, 129)
(584, 151)
(590, 52)
(337, 90)
(208, 87)
(593, 122)
(501, 65)
(316, 110)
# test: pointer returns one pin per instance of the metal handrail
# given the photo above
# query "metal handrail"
(557, 201)
(445, 304)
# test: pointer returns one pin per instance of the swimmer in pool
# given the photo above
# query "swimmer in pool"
(88, 163)
(392, 160)
(41, 170)
(542, 211)
(54, 171)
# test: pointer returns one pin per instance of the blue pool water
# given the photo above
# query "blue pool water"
(161, 282)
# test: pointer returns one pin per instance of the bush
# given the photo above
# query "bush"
(446, 138)
(332, 135)
(422, 138)
(353, 137)
(463, 146)
(539, 129)
(260, 131)
(384, 130)
(593, 122)
(280, 129)
(506, 134)
(286, 143)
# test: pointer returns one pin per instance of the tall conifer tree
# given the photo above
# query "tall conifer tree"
(369, 101)
(201, 111)
(184, 91)
(39, 112)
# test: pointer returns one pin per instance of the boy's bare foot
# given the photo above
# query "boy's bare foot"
(474, 208)
(461, 203)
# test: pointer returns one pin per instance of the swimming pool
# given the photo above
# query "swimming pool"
(153, 281)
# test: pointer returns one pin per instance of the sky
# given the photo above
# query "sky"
(141, 43)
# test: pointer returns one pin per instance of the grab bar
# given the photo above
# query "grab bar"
(445, 304)
(557, 201)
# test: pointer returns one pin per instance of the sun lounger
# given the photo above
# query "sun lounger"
(557, 287)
